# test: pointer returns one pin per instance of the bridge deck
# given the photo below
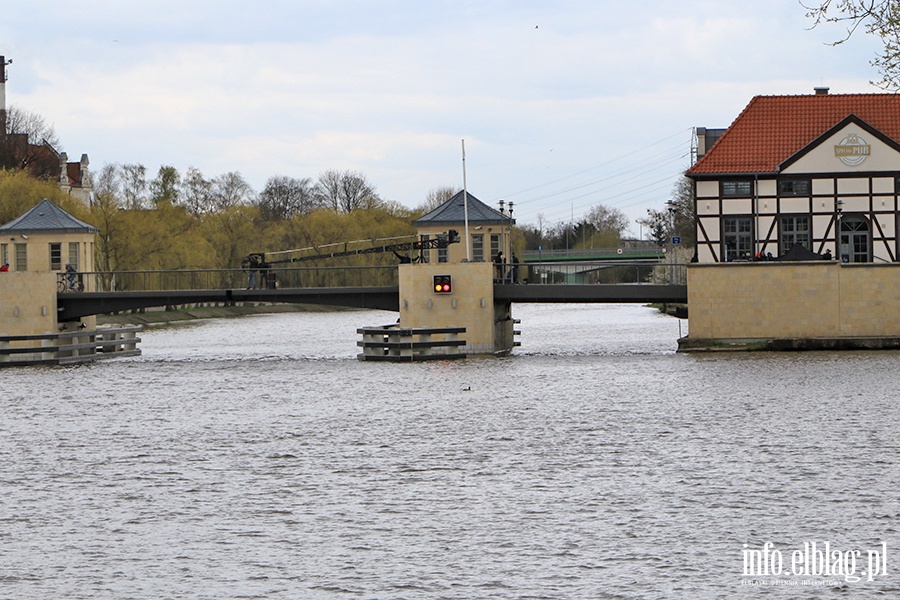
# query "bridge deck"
(610, 293)
(73, 306)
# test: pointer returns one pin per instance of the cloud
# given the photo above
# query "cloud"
(390, 88)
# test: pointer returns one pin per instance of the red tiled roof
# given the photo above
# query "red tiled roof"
(771, 129)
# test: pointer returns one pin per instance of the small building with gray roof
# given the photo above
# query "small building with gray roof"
(489, 230)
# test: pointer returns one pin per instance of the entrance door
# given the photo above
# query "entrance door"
(855, 239)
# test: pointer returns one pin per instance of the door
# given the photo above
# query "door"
(855, 239)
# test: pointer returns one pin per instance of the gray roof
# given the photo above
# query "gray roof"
(452, 212)
(46, 217)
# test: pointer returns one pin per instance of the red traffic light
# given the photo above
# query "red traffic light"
(442, 284)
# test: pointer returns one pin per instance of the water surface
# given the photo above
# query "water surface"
(257, 458)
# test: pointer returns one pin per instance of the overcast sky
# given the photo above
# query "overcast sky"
(562, 104)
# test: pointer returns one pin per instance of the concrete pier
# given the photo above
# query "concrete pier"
(793, 305)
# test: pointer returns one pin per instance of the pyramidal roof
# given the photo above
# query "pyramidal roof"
(453, 212)
(771, 129)
(46, 217)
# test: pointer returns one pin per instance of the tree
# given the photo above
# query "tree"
(133, 179)
(436, 197)
(683, 207)
(107, 216)
(657, 223)
(877, 17)
(229, 190)
(196, 192)
(607, 220)
(676, 219)
(29, 144)
(19, 191)
(346, 191)
(283, 197)
(165, 187)
(533, 236)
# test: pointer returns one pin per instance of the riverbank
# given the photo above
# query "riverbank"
(162, 316)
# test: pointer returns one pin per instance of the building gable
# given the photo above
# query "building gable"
(851, 146)
(773, 129)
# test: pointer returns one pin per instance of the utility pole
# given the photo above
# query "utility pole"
(3, 77)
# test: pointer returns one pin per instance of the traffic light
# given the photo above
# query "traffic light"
(442, 284)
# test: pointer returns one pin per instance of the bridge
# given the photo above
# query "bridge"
(357, 287)
(634, 251)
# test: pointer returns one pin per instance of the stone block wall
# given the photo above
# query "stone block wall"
(773, 300)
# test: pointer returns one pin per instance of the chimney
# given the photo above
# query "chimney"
(821, 91)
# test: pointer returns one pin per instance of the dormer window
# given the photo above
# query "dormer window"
(737, 189)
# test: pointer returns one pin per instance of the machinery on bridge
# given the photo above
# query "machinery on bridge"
(258, 262)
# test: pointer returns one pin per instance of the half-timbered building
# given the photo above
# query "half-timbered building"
(818, 172)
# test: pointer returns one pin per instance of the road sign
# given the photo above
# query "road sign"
(676, 240)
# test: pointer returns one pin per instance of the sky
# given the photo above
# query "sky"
(560, 105)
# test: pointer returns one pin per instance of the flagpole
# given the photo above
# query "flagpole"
(466, 205)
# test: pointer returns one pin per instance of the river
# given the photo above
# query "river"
(257, 458)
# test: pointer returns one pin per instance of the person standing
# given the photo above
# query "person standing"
(498, 263)
(4, 268)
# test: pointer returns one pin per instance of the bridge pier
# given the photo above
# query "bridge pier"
(809, 305)
(469, 303)
(31, 332)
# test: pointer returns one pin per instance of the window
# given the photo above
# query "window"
(74, 255)
(442, 255)
(495, 245)
(4, 254)
(55, 256)
(424, 254)
(794, 230)
(742, 189)
(737, 237)
(21, 257)
(478, 247)
(794, 187)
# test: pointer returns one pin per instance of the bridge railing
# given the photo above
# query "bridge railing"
(631, 249)
(607, 272)
(565, 272)
(221, 279)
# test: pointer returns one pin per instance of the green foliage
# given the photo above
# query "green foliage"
(880, 18)
(19, 191)
(166, 230)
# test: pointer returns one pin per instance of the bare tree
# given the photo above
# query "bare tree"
(346, 191)
(436, 197)
(21, 121)
(230, 189)
(283, 197)
(29, 143)
(876, 17)
(196, 191)
(607, 220)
